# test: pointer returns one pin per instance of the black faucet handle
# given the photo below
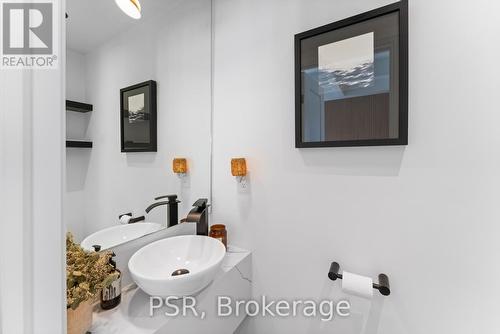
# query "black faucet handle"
(136, 220)
(171, 198)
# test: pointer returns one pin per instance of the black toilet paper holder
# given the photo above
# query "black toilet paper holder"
(383, 281)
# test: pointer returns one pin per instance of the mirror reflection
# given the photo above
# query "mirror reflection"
(118, 189)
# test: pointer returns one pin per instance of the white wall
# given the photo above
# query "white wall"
(31, 184)
(426, 214)
(77, 160)
(75, 78)
(15, 260)
(174, 50)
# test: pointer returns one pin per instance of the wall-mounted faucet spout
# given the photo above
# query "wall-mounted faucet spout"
(172, 211)
(199, 215)
(154, 205)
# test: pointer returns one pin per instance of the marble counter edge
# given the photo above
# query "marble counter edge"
(129, 316)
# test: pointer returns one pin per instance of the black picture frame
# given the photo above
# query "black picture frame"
(144, 125)
(401, 8)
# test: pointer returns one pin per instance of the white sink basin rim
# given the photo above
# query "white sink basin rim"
(119, 234)
(177, 266)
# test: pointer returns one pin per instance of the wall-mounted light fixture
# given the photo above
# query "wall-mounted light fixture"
(239, 168)
(179, 166)
(130, 7)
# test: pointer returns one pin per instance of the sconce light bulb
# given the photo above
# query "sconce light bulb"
(179, 166)
(238, 167)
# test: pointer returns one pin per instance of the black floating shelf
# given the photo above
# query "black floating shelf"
(78, 106)
(78, 143)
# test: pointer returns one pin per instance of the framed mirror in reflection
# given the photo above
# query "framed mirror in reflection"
(351, 81)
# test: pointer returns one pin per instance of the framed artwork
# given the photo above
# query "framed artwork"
(351, 81)
(138, 117)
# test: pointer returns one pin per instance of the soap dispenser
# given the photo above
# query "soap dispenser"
(112, 295)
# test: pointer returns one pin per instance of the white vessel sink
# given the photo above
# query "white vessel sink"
(117, 235)
(178, 266)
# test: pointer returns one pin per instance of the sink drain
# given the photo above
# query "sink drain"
(180, 272)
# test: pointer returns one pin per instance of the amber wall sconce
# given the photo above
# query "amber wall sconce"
(239, 168)
(179, 166)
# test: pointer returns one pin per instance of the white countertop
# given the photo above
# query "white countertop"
(132, 315)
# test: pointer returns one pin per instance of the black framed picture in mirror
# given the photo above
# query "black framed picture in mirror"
(351, 81)
(138, 117)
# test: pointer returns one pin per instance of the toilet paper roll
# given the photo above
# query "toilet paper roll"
(125, 219)
(358, 285)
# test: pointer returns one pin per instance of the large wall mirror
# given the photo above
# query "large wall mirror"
(108, 51)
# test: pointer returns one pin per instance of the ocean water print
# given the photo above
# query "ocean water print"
(136, 112)
(347, 64)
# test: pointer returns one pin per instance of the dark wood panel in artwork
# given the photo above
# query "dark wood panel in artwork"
(358, 118)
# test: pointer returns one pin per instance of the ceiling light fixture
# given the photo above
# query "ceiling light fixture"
(130, 7)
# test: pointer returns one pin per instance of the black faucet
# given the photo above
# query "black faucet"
(199, 216)
(172, 211)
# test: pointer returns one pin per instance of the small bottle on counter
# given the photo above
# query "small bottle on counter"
(112, 295)
(219, 232)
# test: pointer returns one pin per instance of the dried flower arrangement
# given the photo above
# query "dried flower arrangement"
(87, 273)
